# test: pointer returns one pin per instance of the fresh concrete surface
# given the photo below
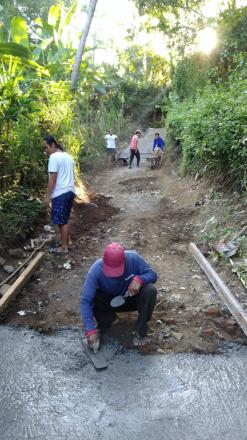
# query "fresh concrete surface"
(50, 391)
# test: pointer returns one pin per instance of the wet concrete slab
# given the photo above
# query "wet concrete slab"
(50, 391)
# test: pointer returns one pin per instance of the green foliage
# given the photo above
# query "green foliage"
(213, 131)
(232, 35)
(29, 9)
(207, 109)
(19, 213)
(155, 7)
(191, 75)
(19, 31)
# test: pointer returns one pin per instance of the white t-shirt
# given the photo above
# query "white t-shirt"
(110, 140)
(62, 164)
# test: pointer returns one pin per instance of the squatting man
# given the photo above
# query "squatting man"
(119, 273)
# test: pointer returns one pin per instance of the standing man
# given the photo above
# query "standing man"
(111, 146)
(159, 147)
(134, 148)
(60, 189)
(118, 273)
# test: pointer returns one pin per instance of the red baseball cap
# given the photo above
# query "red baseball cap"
(113, 260)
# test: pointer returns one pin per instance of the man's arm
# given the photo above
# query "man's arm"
(144, 275)
(88, 295)
(50, 187)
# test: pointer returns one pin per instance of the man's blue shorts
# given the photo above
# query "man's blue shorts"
(61, 207)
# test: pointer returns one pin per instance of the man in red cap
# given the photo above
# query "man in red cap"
(118, 273)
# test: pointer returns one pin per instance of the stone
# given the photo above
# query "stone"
(229, 322)
(177, 335)
(187, 315)
(8, 269)
(4, 289)
(231, 330)
(204, 247)
(2, 261)
(208, 332)
(16, 253)
(212, 311)
(170, 321)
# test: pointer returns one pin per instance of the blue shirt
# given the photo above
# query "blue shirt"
(134, 265)
(159, 142)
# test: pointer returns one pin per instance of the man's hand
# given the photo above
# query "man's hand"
(133, 288)
(93, 341)
(46, 201)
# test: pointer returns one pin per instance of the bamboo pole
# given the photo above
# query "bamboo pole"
(224, 292)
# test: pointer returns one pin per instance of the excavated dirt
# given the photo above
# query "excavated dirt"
(155, 212)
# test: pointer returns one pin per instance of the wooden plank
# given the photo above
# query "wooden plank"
(17, 286)
(224, 292)
(23, 264)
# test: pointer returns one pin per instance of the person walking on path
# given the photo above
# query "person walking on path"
(159, 147)
(134, 148)
(111, 146)
(119, 273)
(60, 189)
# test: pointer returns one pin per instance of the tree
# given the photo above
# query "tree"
(82, 43)
(29, 9)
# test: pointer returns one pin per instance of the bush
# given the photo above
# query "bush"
(213, 130)
(19, 213)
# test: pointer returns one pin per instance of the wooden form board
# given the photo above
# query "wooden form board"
(224, 292)
(20, 282)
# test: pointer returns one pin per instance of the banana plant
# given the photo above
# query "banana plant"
(15, 55)
(55, 47)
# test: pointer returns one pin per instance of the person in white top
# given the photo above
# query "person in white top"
(111, 146)
(60, 189)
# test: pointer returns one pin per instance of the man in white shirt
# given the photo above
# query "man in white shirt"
(60, 189)
(111, 146)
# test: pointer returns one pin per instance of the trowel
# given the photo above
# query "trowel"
(97, 358)
(119, 300)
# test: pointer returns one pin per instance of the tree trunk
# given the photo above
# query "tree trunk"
(82, 43)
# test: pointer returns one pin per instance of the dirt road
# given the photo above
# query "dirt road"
(50, 390)
(153, 212)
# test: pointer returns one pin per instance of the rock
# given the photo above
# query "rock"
(177, 335)
(21, 313)
(204, 248)
(187, 315)
(4, 289)
(213, 311)
(230, 326)
(229, 322)
(207, 332)
(67, 265)
(8, 269)
(2, 261)
(231, 330)
(17, 253)
(170, 321)
(181, 249)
